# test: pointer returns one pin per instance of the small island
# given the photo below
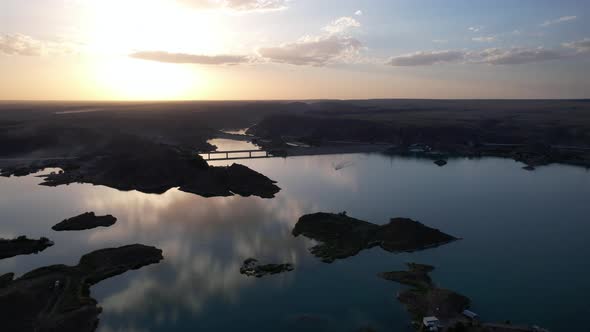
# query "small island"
(85, 221)
(440, 162)
(424, 299)
(438, 309)
(23, 246)
(57, 297)
(252, 268)
(342, 236)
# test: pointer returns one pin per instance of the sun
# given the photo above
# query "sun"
(115, 28)
(130, 79)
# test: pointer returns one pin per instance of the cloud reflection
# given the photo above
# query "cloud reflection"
(204, 241)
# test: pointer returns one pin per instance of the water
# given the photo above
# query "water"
(523, 257)
(224, 144)
(236, 131)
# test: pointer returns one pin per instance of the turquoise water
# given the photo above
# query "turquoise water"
(523, 257)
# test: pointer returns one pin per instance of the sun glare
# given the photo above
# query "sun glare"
(131, 79)
(132, 25)
(117, 28)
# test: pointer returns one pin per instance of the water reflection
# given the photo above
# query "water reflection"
(204, 246)
(236, 131)
(204, 241)
(223, 144)
(506, 216)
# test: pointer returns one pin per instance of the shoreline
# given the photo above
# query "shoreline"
(392, 150)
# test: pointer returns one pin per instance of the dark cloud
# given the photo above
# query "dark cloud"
(516, 56)
(190, 58)
(427, 58)
(581, 46)
(492, 56)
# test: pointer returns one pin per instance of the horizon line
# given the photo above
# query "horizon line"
(274, 100)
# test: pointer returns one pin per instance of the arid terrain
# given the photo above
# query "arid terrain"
(534, 131)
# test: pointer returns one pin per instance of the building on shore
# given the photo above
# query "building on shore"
(431, 323)
(471, 315)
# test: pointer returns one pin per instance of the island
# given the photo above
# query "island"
(57, 297)
(85, 221)
(440, 162)
(342, 236)
(252, 268)
(438, 309)
(425, 299)
(23, 246)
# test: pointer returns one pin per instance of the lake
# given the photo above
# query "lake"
(523, 255)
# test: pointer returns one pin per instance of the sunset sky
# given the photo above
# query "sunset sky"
(293, 49)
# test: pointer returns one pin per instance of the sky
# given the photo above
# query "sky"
(293, 49)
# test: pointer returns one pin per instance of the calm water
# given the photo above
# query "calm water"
(223, 144)
(524, 256)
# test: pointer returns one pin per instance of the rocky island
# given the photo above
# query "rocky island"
(424, 298)
(449, 309)
(342, 236)
(57, 298)
(23, 246)
(85, 221)
(252, 268)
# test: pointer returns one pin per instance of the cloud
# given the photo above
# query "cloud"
(341, 25)
(517, 56)
(440, 41)
(190, 58)
(477, 28)
(490, 56)
(17, 44)
(427, 58)
(239, 5)
(314, 51)
(331, 47)
(358, 13)
(581, 46)
(484, 39)
(562, 19)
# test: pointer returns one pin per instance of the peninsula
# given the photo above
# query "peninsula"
(56, 298)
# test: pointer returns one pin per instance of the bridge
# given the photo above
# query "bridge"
(237, 154)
